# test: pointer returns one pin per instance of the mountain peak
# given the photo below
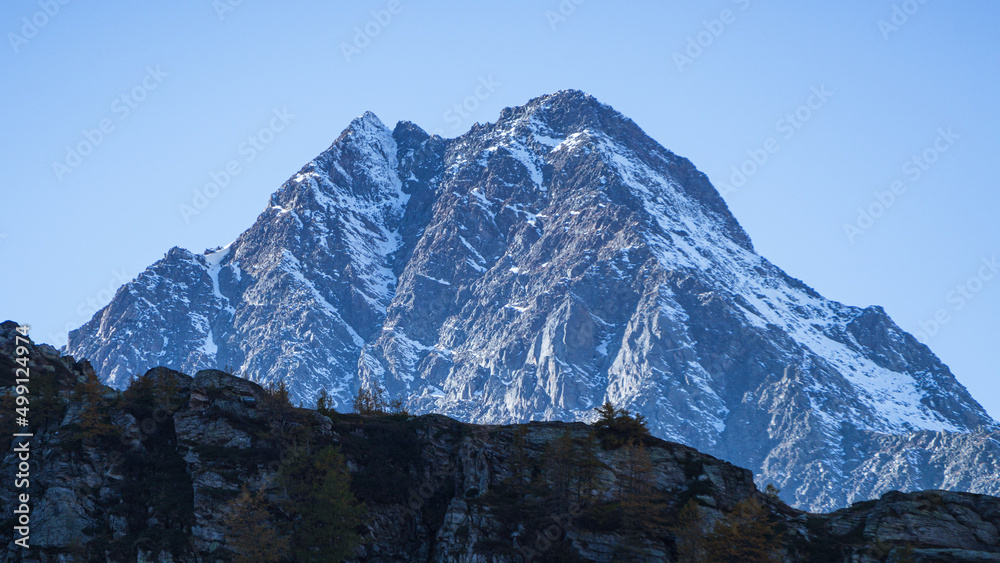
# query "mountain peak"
(534, 268)
(563, 113)
(576, 120)
(409, 134)
(367, 120)
(570, 97)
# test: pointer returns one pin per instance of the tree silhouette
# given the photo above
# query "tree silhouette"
(620, 426)
(559, 468)
(325, 514)
(374, 401)
(640, 510)
(323, 404)
(94, 417)
(745, 535)
(690, 530)
(250, 534)
(520, 464)
(587, 465)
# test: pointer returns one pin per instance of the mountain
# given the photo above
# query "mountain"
(534, 268)
(155, 473)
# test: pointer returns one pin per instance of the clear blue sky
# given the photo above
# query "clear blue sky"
(196, 85)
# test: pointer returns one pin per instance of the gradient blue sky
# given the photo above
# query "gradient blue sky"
(67, 242)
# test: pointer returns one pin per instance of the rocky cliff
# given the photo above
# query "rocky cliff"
(532, 269)
(148, 474)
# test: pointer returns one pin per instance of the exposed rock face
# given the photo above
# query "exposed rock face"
(153, 485)
(929, 525)
(925, 460)
(530, 270)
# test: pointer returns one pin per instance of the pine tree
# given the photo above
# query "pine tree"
(280, 395)
(690, 530)
(519, 462)
(635, 489)
(559, 468)
(94, 418)
(619, 426)
(587, 466)
(140, 390)
(606, 414)
(375, 402)
(250, 534)
(368, 401)
(745, 535)
(772, 492)
(323, 404)
(326, 516)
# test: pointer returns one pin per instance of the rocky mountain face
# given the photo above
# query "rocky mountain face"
(149, 474)
(534, 268)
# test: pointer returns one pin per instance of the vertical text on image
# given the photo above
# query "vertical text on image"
(22, 440)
